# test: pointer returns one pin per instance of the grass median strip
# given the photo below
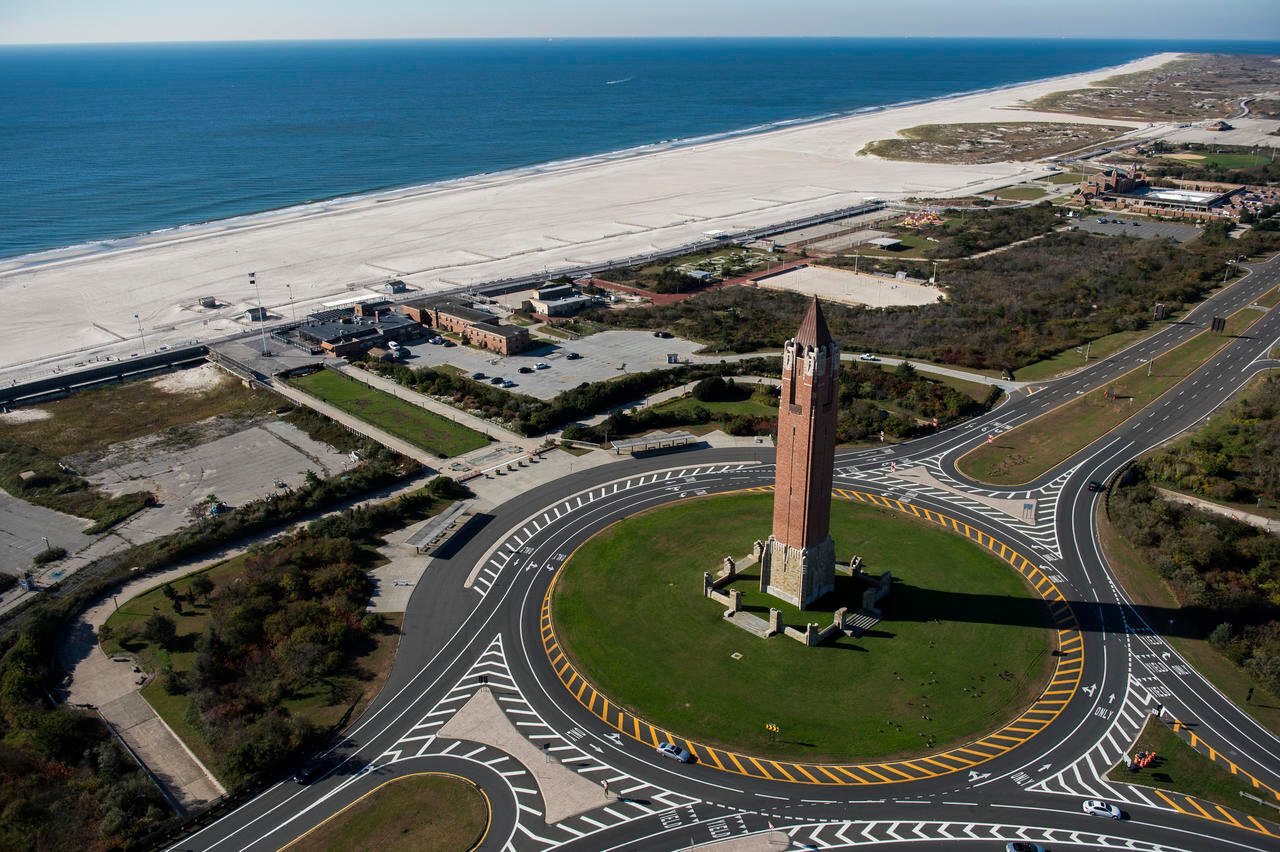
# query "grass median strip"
(416, 425)
(1028, 451)
(1179, 768)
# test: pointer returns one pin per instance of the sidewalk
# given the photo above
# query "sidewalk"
(1271, 525)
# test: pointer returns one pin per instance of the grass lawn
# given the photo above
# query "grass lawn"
(1270, 299)
(1065, 177)
(1070, 359)
(370, 670)
(1020, 193)
(95, 419)
(1224, 160)
(913, 246)
(1024, 453)
(629, 609)
(1181, 769)
(418, 812)
(1148, 590)
(750, 405)
(416, 425)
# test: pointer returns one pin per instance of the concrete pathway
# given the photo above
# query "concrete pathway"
(1271, 525)
(111, 685)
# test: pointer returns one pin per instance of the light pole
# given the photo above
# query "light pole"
(292, 308)
(262, 317)
(140, 334)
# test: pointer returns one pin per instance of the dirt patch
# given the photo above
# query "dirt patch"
(990, 143)
(1182, 156)
(194, 381)
(24, 415)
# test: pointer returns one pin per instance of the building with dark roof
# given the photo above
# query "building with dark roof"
(342, 333)
(474, 327)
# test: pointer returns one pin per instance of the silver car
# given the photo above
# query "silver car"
(1094, 807)
(675, 752)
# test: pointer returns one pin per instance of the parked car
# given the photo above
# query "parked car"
(1095, 485)
(508, 384)
(867, 356)
(572, 356)
(496, 380)
(674, 752)
(479, 377)
(448, 344)
(1094, 807)
(525, 370)
(542, 365)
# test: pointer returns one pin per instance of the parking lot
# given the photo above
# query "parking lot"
(1136, 228)
(605, 355)
(23, 528)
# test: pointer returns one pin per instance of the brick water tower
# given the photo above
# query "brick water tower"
(797, 563)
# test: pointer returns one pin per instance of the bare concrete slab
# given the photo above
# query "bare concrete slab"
(564, 792)
(24, 527)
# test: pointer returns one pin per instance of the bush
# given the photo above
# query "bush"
(49, 554)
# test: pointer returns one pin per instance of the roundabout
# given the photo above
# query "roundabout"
(934, 688)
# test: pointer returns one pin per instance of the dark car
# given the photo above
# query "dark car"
(572, 356)
(496, 380)
(311, 771)
(1095, 485)
(525, 370)
(479, 376)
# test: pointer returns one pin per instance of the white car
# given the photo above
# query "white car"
(542, 366)
(867, 356)
(1093, 807)
(674, 752)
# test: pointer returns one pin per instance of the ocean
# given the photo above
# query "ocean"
(106, 142)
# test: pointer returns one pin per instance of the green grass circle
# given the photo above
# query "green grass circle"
(963, 647)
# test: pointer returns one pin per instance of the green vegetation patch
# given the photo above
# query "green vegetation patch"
(1180, 768)
(629, 608)
(92, 420)
(1232, 459)
(1026, 452)
(990, 143)
(416, 425)
(1020, 193)
(35, 476)
(436, 813)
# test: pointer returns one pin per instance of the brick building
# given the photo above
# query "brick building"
(798, 562)
(474, 327)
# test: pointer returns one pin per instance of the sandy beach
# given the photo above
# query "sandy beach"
(471, 231)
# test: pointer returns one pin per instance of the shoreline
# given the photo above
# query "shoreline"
(462, 232)
(90, 248)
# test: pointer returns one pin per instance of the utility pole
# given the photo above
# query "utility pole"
(262, 316)
(292, 308)
(140, 334)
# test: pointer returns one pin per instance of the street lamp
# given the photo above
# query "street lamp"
(292, 308)
(262, 317)
(140, 334)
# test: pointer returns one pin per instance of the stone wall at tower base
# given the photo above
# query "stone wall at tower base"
(795, 575)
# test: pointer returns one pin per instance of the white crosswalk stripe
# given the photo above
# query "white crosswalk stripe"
(832, 835)
(632, 798)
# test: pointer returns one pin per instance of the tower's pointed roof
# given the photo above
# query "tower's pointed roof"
(813, 331)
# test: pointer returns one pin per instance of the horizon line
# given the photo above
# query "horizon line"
(460, 38)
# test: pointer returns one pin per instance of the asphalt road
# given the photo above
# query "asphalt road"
(1115, 669)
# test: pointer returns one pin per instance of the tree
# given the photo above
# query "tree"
(202, 586)
(161, 630)
(174, 598)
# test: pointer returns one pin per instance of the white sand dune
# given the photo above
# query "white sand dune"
(481, 229)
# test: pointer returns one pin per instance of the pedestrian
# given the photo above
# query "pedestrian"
(1249, 697)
